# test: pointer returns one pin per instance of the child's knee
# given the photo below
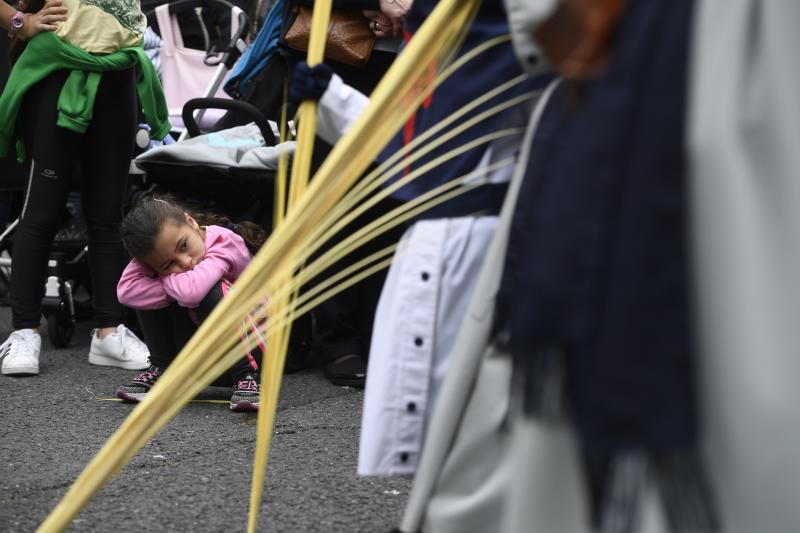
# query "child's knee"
(210, 301)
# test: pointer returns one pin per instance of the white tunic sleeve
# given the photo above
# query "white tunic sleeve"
(338, 109)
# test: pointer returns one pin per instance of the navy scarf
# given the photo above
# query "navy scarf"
(596, 281)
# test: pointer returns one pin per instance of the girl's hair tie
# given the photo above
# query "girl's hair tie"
(231, 226)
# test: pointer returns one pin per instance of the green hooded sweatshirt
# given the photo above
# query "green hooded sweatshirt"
(46, 53)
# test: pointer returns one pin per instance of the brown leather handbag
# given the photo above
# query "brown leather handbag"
(350, 39)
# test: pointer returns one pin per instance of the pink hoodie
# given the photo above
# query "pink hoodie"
(226, 257)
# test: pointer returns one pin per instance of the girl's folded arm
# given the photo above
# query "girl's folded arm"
(189, 288)
(140, 288)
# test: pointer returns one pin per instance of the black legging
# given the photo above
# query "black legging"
(104, 152)
(167, 330)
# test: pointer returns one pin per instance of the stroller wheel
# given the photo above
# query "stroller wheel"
(60, 326)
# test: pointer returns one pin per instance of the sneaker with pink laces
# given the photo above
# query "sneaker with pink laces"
(245, 393)
(138, 387)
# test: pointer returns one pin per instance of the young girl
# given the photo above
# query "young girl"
(182, 266)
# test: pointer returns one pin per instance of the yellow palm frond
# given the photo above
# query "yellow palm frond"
(216, 345)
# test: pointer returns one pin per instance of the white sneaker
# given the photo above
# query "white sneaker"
(122, 349)
(21, 351)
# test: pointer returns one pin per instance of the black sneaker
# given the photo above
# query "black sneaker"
(137, 388)
(245, 393)
(347, 371)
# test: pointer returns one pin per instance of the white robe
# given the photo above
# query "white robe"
(744, 148)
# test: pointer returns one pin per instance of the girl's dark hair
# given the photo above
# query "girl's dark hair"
(143, 223)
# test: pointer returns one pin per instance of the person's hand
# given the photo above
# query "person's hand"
(388, 22)
(380, 24)
(395, 9)
(45, 19)
(309, 83)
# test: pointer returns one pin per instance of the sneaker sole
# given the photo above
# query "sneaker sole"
(131, 397)
(244, 405)
(21, 371)
(103, 360)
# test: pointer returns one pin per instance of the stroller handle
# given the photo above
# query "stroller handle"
(236, 46)
(231, 105)
(187, 5)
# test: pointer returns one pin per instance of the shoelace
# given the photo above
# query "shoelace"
(247, 384)
(14, 344)
(148, 376)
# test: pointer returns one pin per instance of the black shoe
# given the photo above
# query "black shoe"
(347, 371)
(138, 387)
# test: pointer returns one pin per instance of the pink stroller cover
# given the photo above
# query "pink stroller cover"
(183, 74)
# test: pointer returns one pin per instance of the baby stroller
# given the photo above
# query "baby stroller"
(231, 172)
(216, 39)
(201, 41)
(188, 73)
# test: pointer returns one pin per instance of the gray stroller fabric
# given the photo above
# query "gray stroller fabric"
(266, 157)
(239, 147)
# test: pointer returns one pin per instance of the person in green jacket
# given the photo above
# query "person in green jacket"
(71, 100)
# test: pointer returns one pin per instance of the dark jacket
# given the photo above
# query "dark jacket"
(597, 260)
(488, 70)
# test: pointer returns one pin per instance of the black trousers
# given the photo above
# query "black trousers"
(167, 330)
(343, 323)
(104, 152)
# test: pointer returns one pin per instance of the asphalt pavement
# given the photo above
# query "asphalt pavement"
(195, 474)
